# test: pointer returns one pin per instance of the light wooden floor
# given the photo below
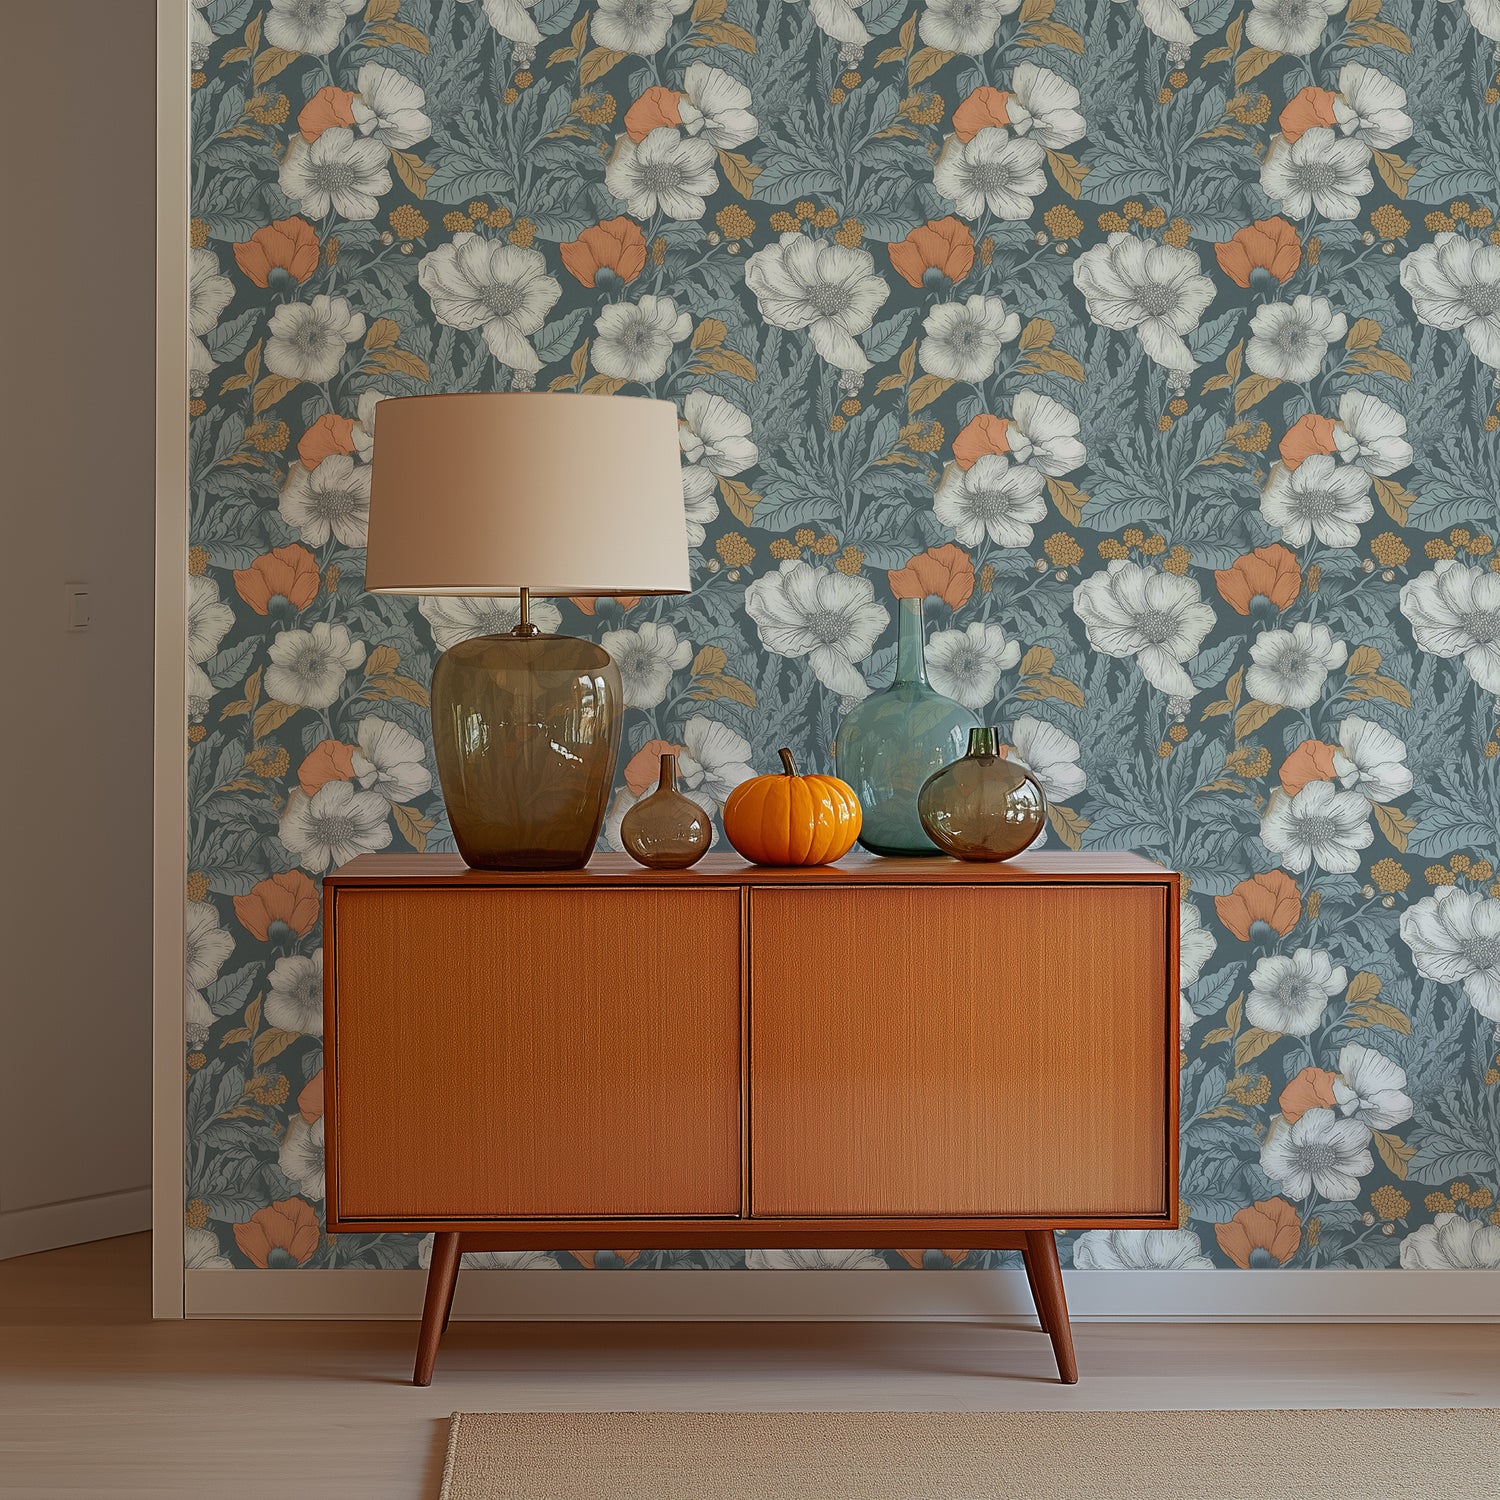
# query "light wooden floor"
(96, 1400)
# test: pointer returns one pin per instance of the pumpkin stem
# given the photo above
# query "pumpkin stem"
(788, 764)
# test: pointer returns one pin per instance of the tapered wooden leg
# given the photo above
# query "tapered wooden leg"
(452, 1287)
(442, 1276)
(1047, 1286)
(1036, 1296)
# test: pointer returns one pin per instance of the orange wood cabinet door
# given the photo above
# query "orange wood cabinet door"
(960, 1050)
(536, 1053)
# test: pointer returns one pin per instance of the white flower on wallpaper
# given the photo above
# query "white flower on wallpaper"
(828, 289)
(1294, 26)
(1290, 340)
(717, 107)
(294, 1001)
(963, 26)
(1455, 283)
(1044, 107)
(308, 667)
(715, 433)
(1371, 1088)
(1320, 826)
(339, 172)
(1158, 290)
(1371, 434)
(992, 498)
(1140, 1250)
(503, 290)
(1318, 173)
(1289, 992)
(832, 620)
(334, 825)
(636, 26)
(992, 171)
(459, 617)
(308, 340)
(965, 665)
(963, 340)
(390, 107)
(1370, 760)
(1156, 618)
(1290, 667)
(302, 1155)
(332, 500)
(209, 619)
(209, 291)
(512, 20)
(1044, 434)
(1451, 1242)
(200, 1251)
(313, 26)
(1454, 937)
(1371, 107)
(712, 762)
(390, 760)
(700, 501)
(666, 173)
(1050, 754)
(647, 657)
(634, 340)
(1455, 611)
(1318, 1153)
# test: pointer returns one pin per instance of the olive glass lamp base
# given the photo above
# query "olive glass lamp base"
(526, 731)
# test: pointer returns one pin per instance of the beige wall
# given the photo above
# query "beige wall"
(75, 749)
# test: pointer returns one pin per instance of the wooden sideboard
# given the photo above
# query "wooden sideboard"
(878, 1053)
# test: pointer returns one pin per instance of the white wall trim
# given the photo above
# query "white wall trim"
(25, 1231)
(169, 782)
(1328, 1296)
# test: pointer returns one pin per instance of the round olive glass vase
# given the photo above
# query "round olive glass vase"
(666, 831)
(983, 807)
(897, 738)
(525, 732)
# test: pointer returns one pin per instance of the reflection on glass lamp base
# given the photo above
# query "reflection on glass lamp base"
(525, 730)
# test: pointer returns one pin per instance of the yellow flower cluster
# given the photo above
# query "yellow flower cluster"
(850, 80)
(1390, 1203)
(1178, 560)
(1312, 251)
(1249, 109)
(1112, 551)
(523, 231)
(1178, 233)
(198, 560)
(268, 437)
(524, 79)
(595, 109)
(986, 578)
(197, 885)
(196, 1215)
(1250, 437)
(267, 109)
(1177, 733)
(923, 437)
(198, 233)
(1389, 550)
(923, 109)
(735, 550)
(265, 1089)
(986, 249)
(1247, 1089)
(825, 546)
(734, 223)
(1249, 763)
(783, 550)
(1062, 223)
(1389, 222)
(850, 234)
(1389, 876)
(1063, 549)
(272, 764)
(850, 561)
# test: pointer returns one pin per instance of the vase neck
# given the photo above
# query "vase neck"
(983, 742)
(911, 644)
(668, 780)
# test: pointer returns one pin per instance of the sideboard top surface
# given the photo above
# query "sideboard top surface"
(1047, 866)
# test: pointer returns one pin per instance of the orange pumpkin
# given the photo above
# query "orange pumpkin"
(789, 819)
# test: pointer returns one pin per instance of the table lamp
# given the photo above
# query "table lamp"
(526, 495)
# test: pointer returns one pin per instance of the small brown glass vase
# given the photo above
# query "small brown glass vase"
(983, 807)
(666, 831)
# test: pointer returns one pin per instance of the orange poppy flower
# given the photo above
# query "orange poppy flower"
(616, 246)
(289, 898)
(1266, 1231)
(985, 434)
(945, 573)
(643, 769)
(1272, 898)
(1305, 111)
(285, 1234)
(587, 603)
(656, 108)
(330, 434)
(1312, 760)
(1267, 573)
(984, 107)
(286, 245)
(940, 248)
(1269, 246)
(289, 573)
(1306, 436)
(1312, 1088)
(310, 1100)
(326, 110)
(329, 760)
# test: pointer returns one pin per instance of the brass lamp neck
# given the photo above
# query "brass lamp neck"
(524, 626)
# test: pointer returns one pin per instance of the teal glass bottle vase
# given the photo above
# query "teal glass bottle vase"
(895, 740)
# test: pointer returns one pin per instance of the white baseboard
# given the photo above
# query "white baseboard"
(25, 1231)
(858, 1296)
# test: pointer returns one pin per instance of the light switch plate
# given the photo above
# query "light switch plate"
(79, 606)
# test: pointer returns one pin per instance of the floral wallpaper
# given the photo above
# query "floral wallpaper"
(1154, 344)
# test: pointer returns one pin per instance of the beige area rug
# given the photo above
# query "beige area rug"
(1258, 1455)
